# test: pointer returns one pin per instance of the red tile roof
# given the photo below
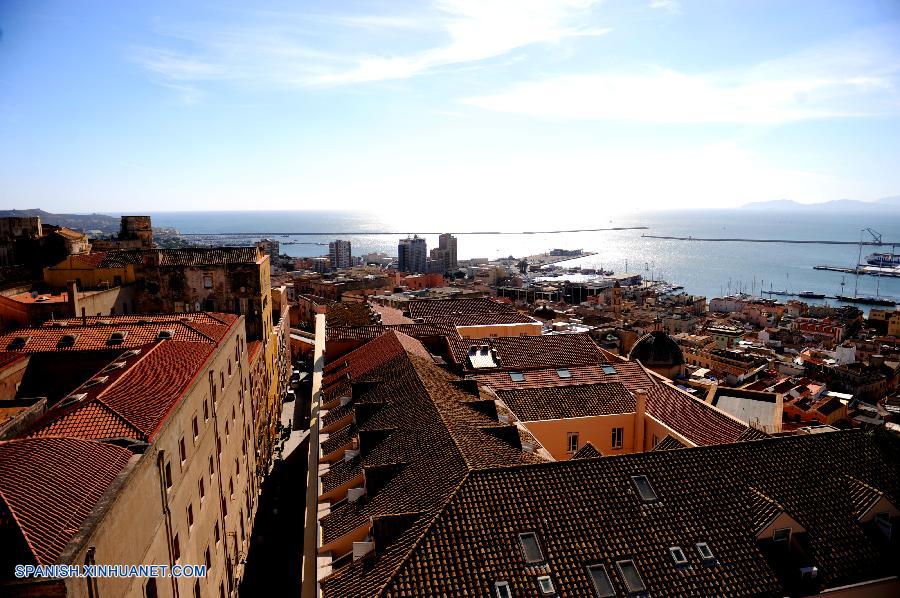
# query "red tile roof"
(50, 486)
(139, 330)
(135, 399)
(562, 402)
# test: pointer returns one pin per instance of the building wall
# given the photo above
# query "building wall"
(553, 433)
(10, 378)
(89, 278)
(133, 528)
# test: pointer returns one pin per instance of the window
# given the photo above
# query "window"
(883, 523)
(150, 588)
(782, 534)
(195, 427)
(212, 468)
(678, 555)
(227, 430)
(222, 379)
(202, 490)
(705, 551)
(176, 548)
(572, 442)
(631, 576)
(530, 547)
(243, 532)
(617, 434)
(207, 559)
(609, 370)
(207, 282)
(237, 467)
(546, 585)
(517, 376)
(217, 535)
(502, 590)
(190, 516)
(168, 475)
(563, 373)
(196, 588)
(602, 584)
(648, 494)
(205, 411)
(231, 487)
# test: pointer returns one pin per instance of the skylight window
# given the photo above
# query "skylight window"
(563, 373)
(530, 547)
(705, 551)
(648, 494)
(18, 342)
(165, 334)
(517, 376)
(96, 381)
(67, 340)
(631, 576)
(782, 534)
(602, 584)
(116, 338)
(546, 585)
(502, 589)
(608, 369)
(678, 555)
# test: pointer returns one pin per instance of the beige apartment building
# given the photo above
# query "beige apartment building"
(167, 430)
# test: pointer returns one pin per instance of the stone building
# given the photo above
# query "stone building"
(135, 232)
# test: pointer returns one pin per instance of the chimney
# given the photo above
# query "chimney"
(72, 298)
(640, 408)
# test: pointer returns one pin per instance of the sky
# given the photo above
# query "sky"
(490, 106)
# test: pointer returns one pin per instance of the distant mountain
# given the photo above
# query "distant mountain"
(83, 222)
(838, 205)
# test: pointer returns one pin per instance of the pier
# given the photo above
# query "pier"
(868, 271)
(794, 241)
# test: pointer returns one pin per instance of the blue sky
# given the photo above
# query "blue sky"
(484, 105)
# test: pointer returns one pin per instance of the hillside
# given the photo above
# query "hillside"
(83, 222)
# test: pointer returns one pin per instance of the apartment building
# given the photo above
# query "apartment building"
(149, 460)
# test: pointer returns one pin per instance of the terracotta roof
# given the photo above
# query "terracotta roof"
(253, 348)
(100, 333)
(466, 312)
(50, 486)
(588, 511)
(531, 352)
(587, 451)
(134, 400)
(68, 233)
(561, 402)
(348, 314)
(390, 315)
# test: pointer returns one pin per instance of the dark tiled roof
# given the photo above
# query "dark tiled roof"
(669, 443)
(345, 333)
(50, 486)
(348, 314)
(211, 256)
(587, 511)
(560, 402)
(532, 352)
(587, 451)
(466, 312)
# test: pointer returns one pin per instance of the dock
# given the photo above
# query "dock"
(744, 240)
(865, 270)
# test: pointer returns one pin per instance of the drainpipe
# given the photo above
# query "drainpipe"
(640, 409)
(167, 514)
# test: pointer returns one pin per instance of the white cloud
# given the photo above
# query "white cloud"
(673, 6)
(277, 50)
(854, 77)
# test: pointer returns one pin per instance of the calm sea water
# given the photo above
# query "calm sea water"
(701, 267)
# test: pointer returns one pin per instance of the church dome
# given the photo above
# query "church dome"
(657, 349)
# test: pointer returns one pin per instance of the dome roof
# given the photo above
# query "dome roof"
(656, 349)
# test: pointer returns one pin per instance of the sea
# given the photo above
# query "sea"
(701, 267)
